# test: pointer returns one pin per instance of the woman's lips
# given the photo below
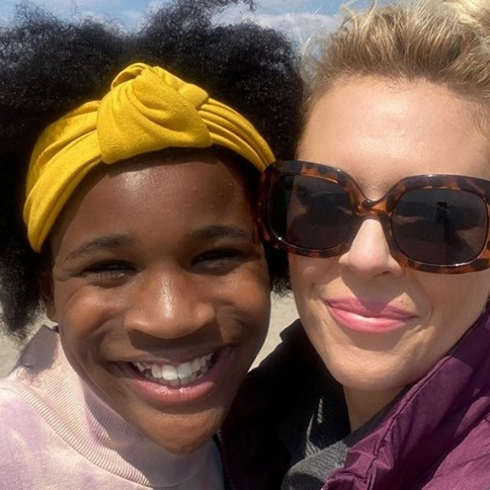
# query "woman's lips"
(368, 316)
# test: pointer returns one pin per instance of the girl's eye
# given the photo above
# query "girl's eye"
(219, 254)
(107, 271)
(219, 257)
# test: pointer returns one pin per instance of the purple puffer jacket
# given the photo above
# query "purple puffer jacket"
(436, 437)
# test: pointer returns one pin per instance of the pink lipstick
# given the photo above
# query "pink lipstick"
(368, 316)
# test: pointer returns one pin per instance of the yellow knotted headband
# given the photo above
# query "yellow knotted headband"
(147, 109)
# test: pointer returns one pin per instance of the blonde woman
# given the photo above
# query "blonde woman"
(384, 381)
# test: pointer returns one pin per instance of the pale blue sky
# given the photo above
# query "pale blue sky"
(129, 10)
(297, 17)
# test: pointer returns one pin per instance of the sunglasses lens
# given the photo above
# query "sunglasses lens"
(310, 213)
(440, 226)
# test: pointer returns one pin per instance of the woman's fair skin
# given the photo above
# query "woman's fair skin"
(378, 326)
(157, 265)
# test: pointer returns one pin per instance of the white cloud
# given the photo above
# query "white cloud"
(287, 15)
(81, 4)
(130, 17)
(298, 26)
(67, 8)
(154, 5)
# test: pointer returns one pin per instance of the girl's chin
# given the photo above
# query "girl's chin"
(182, 444)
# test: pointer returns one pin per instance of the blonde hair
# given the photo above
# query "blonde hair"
(446, 42)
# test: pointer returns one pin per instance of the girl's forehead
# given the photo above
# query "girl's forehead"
(185, 180)
(158, 203)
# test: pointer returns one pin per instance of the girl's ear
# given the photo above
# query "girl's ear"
(47, 294)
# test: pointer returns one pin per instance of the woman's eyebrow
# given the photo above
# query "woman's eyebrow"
(98, 244)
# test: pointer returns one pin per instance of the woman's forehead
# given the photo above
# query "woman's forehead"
(381, 131)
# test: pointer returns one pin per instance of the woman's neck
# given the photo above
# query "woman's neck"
(363, 405)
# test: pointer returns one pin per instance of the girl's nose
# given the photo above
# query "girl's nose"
(170, 305)
(369, 254)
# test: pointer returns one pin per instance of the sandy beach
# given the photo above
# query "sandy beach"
(283, 313)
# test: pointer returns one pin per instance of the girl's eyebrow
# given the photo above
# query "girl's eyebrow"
(216, 231)
(98, 244)
(112, 241)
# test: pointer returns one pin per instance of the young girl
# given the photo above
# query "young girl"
(128, 191)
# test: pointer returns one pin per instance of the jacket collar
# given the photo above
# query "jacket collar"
(428, 420)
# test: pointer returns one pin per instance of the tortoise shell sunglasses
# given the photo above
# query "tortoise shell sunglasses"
(433, 223)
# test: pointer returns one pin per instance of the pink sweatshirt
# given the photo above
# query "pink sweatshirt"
(55, 433)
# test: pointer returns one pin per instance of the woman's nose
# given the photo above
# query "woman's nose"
(369, 254)
(170, 305)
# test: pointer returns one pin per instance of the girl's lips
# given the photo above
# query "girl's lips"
(165, 395)
(368, 316)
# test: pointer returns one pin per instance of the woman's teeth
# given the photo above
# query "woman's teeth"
(176, 375)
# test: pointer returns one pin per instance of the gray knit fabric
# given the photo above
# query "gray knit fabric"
(317, 433)
(311, 472)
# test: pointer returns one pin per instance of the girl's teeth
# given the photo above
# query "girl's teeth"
(184, 370)
(180, 375)
(156, 371)
(169, 373)
(196, 364)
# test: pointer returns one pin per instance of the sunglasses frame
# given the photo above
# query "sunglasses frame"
(382, 208)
